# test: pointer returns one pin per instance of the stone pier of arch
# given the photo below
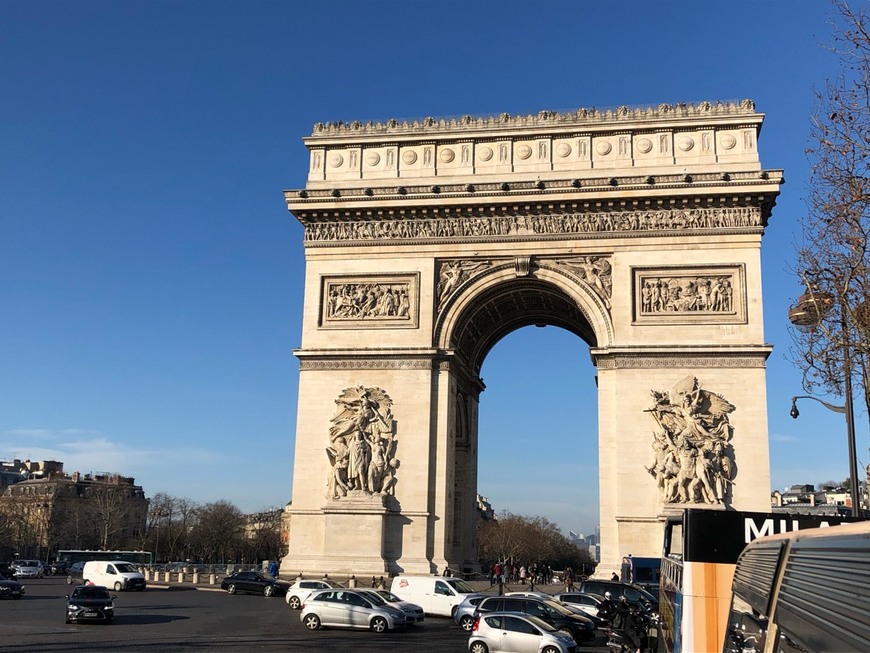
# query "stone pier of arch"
(638, 230)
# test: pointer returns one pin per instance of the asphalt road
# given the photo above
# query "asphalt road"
(202, 621)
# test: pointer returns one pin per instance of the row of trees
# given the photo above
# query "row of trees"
(218, 532)
(527, 540)
(38, 520)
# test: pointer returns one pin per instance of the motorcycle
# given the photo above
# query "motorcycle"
(619, 641)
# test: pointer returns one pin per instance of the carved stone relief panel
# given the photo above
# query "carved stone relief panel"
(370, 301)
(693, 459)
(453, 273)
(522, 225)
(595, 271)
(684, 295)
(362, 445)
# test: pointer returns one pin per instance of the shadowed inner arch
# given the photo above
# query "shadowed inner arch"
(510, 306)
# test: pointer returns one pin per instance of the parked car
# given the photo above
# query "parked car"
(254, 582)
(635, 595)
(498, 632)
(463, 615)
(299, 590)
(59, 567)
(29, 569)
(75, 575)
(10, 588)
(351, 609)
(582, 628)
(589, 604)
(90, 603)
(413, 612)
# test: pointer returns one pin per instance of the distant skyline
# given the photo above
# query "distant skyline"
(151, 277)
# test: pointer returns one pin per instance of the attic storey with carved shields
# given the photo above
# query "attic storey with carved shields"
(426, 242)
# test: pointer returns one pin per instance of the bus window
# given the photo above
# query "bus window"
(747, 630)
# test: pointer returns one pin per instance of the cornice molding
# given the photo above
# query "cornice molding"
(545, 118)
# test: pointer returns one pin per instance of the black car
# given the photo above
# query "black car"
(582, 628)
(635, 595)
(254, 582)
(59, 567)
(75, 573)
(90, 603)
(9, 587)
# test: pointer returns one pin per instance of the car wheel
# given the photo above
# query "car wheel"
(118, 586)
(379, 625)
(231, 589)
(269, 590)
(467, 623)
(67, 620)
(312, 622)
(478, 647)
(550, 649)
(295, 603)
(110, 620)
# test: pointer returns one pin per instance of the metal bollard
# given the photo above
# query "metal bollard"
(195, 577)
(166, 576)
(180, 576)
(212, 579)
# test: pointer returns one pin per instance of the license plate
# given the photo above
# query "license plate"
(89, 613)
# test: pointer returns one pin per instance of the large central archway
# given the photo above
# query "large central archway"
(426, 243)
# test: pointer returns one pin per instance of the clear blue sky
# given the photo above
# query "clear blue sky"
(151, 276)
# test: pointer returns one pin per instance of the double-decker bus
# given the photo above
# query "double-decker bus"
(701, 548)
(137, 557)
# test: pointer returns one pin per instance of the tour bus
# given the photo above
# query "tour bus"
(701, 547)
(136, 557)
(803, 592)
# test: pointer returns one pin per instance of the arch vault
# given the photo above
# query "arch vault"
(638, 230)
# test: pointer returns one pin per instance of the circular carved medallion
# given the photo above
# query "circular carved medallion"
(728, 141)
(563, 149)
(644, 145)
(447, 155)
(373, 158)
(336, 160)
(685, 143)
(485, 153)
(603, 148)
(409, 156)
(524, 151)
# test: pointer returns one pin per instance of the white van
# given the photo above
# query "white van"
(114, 574)
(436, 594)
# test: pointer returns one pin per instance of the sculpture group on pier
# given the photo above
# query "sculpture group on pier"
(693, 456)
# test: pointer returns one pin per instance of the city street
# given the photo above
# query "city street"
(188, 620)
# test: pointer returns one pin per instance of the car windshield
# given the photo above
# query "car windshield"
(388, 596)
(125, 568)
(375, 598)
(460, 586)
(558, 607)
(540, 623)
(90, 593)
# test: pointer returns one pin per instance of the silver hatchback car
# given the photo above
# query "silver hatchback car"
(349, 609)
(513, 632)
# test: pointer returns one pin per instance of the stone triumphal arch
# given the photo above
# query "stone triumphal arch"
(639, 230)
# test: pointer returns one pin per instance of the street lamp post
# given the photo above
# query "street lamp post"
(806, 316)
(850, 433)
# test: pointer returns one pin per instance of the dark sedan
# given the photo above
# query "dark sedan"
(254, 582)
(75, 573)
(90, 603)
(10, 588)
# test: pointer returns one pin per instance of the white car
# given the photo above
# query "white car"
(350, 608)
(512, 632)
(299, 591)
(29, 569)
(413, 612)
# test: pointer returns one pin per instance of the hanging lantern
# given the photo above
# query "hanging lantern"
(809, 310)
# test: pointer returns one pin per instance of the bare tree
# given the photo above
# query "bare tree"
(218, 535)
(833, 261)
(109, 504)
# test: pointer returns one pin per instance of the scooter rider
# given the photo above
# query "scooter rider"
(626, 623)
(606, 610)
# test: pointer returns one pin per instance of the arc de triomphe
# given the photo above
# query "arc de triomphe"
(638, 230)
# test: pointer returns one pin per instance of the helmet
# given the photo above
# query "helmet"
(608, 595)
(623, 598)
